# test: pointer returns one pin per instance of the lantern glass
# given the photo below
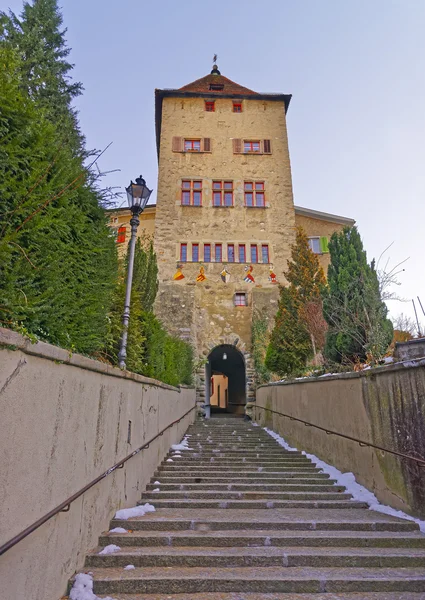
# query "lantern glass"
(138, 194)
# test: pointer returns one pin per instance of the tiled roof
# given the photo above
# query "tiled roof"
(202, 86)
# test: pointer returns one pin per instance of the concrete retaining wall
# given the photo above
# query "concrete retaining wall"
(64, 421)
(385, 406)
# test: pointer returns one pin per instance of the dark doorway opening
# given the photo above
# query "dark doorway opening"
(226, 380)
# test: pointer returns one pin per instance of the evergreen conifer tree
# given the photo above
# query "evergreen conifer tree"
(45, 71)
(357, 316)
(291, 340)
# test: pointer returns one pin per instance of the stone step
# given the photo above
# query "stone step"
(257, 504)
(322, 486)
(258, 557)
(256, 462)
(275, 596)
(274, 519)
(195, 476)
(244, 495)
(252, 538)
(234, 440)
(239, 444)
(240, 467)
(254, 453)
(260, 579)
(230, 440)
(240, 518)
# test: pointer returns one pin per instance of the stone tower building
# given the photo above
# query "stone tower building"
(224, 223)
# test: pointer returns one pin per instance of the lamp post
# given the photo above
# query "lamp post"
(138, 195)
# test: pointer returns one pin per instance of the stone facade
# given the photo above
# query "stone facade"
(197, 298)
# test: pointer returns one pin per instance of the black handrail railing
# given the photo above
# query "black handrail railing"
(65, 506)
(362, 443)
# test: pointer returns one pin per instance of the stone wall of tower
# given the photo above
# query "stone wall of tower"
(203, 311)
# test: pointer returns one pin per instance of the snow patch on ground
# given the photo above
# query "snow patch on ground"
(157, 483)
(110, 549)
(129, 567)
(83, 588)
(170, 460)
(118, 530)
(136, 511)
(156, 490)
(184, 445)
(359, 492)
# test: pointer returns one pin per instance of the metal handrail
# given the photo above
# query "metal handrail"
(362, 443)
(65, 506)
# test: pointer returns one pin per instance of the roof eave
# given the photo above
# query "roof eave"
(322, 216)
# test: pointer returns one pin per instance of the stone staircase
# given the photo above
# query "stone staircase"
(240, 518)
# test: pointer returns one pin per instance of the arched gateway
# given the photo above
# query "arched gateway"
(225, 380)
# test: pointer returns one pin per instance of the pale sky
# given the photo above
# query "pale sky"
(356, 122)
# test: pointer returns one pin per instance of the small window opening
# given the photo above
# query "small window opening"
(216, 87)
(210, 106)
(314, 243)
(241, 299)
(237, 107)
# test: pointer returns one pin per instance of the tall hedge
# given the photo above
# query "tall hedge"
(57, 260)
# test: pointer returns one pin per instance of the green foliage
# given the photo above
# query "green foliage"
(151, 351)
(260, 341)
(353, 308)
(45, 72)
(292, 339)
(290, 344)
(57, 259)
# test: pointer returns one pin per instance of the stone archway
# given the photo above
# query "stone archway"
(227, 363)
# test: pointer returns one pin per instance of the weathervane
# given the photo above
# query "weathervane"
(215, 59)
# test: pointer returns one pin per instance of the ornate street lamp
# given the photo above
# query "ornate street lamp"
(138, 195)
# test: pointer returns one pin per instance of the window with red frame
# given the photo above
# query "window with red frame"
(237, 107)
(218, 253)
(195, 252)
(230, 252)
(254, 194)
(242, 253)
(249, 146)
(183, 252)
(191, 193)
(207, 252)
(192, 145)
(265, 253)
(210, 106)
(254, 253)
(121, 235)
(241, 299)
(222, 193)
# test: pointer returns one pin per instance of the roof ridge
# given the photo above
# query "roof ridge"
(203, 85)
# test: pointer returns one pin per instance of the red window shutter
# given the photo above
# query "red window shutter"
(177, 144)
(237, 146)
(207, 145)
(121, 235)
(267, 147)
